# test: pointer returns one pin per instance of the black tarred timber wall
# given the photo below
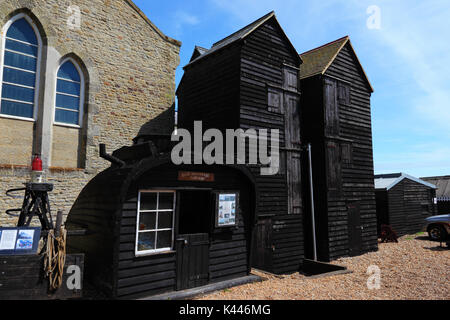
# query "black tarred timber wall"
(408, 204)
(341, 139)
(209, 92)
(264, 55)
(229, 90)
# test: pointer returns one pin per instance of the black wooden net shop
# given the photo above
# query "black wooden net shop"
(152, 227)
(250, 80)
(336, 120)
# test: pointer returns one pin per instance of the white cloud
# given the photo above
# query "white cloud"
(186, 18)
(182, 19)
(416, 35)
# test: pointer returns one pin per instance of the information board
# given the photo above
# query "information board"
(227, 204)
(19, 241)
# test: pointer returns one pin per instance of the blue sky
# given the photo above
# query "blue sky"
(407, 60)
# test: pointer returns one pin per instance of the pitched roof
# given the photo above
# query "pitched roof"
(318, 60)
(239, 35)
(443, 186)
(198, 51)
(388, 181)
(159, 32)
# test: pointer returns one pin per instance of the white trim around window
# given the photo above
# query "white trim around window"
(82, 93)
(156, 211)
(3, 37)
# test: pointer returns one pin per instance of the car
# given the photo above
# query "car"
(438, 227)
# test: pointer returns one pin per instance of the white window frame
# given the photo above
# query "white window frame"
(82, 88)
(38, 64)
(156, 211)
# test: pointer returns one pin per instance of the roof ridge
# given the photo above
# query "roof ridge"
(399, 177)
(242, 29)
(243, 33)
(325, 45)
(200, 47)
(437, 177)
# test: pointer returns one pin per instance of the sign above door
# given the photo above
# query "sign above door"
(196, 176)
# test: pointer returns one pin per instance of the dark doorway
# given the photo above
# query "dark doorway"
(195, 216)
(195, 212)
(354, 229)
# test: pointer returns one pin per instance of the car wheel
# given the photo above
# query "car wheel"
(437, 233)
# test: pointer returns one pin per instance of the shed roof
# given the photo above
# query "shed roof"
(239, 35)
(162, 125)
(318, 60)
(443, 186)
(388, 181)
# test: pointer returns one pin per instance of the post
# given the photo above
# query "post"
(59, 219)
(312, 201)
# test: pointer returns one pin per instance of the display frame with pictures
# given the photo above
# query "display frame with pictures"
(19, 241)
(227, 209)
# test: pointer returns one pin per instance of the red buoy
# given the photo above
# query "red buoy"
(36, 165)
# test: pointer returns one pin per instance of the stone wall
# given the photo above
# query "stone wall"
(129, 67)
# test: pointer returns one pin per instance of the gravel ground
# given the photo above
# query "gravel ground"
(413, 269)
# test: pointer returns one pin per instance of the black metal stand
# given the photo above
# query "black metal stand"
(35, 203)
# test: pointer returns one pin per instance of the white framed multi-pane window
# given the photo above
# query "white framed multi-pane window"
(69, 94)
(19, 68)
(155, 222)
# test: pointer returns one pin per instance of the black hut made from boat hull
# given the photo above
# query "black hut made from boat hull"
(151, 227)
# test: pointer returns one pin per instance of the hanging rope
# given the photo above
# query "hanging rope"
(55, 259)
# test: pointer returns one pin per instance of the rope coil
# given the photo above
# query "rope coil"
(55, 259)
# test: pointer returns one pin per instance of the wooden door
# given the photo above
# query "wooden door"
(293, 154)
(262, 255)
(331, 112)
(334, 169)
(192, 261)
(354, 229)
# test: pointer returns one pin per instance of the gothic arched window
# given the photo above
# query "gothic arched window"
(19, 67)
(69, 94)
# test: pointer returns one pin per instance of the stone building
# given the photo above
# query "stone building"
(74, 74)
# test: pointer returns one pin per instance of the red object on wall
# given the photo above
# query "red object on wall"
(36, 165)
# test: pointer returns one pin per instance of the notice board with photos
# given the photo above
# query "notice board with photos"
(226, 209)
(19, 241)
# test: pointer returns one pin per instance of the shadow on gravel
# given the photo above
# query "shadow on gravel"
(438, 248)
(423, 238)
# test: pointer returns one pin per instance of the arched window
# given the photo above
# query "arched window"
(19, 67)
(69, 94)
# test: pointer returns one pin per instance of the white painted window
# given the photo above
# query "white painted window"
(20, 59)
(69, 94)
(155, 222)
